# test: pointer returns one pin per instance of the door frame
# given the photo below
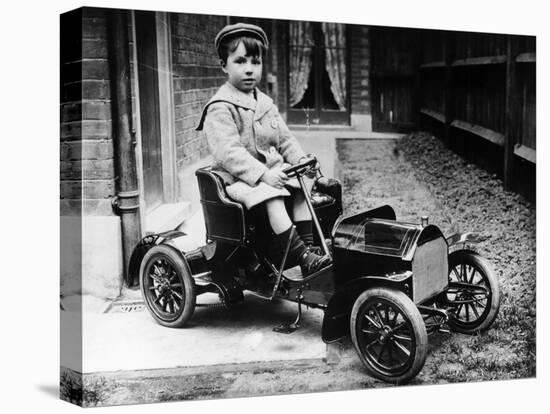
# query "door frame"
(165, 111)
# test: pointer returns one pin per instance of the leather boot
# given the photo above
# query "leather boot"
(305, 231)
(309, 262)
(277, 247)
(298, 253)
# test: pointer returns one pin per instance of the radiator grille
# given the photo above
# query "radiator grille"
(430, 267)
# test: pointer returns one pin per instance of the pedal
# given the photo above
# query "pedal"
(286, 328)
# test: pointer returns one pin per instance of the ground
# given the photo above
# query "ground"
(417, 176)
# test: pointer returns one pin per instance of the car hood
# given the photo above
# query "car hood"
(382, 236)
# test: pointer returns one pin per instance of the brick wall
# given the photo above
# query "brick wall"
(360, 69)
(196, 77)
(86, 169)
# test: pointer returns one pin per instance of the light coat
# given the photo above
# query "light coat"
(247, 137)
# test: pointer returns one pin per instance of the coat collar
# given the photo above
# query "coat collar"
(228, 93)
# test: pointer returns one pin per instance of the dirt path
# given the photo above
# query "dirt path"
(416, 176)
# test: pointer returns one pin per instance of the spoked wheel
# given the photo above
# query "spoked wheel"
(473, 295)
(389, 335)
(167, 286)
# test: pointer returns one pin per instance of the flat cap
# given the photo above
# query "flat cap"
(241, 28)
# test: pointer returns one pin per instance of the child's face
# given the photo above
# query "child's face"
(243, 71)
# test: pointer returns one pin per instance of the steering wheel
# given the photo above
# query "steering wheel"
(301, 167)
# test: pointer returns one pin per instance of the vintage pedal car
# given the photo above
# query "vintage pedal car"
(390, 285)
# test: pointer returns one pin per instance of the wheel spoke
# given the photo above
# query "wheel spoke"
(467, 306)
(177, 295)
(463, 272)
(475, 311)
(164, 304)
(377, 312)
(482, 302)
(459, 309)
(156, 270)
(153, 288)
(457, 274)
(470, 280)
(402, 348)
(154, 277)
(368, 331)
(371, 344)
(398, 327)
(171, 306)
(392, 323)
(386, 314)
(173, 285)
(157, 300)
(403, 338)
(375, 323)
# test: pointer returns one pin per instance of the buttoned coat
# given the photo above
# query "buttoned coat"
(247, 137)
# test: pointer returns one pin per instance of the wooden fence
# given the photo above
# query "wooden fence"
(481, 85)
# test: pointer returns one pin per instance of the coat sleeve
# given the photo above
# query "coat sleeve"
(289, 147)
(224, 141)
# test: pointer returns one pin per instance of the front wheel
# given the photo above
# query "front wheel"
(473, 296)
(389, 335)
(167, 286)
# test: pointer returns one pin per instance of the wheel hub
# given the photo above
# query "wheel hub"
(385, 334)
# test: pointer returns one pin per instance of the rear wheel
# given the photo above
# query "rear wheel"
(167, 286)
(389, 335)
(473, 295)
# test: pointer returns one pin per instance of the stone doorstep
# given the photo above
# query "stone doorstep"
(369, 135)
(320, 128)
(339, 132)
(167, 217)
(85, 304)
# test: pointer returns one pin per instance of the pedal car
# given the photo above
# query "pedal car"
(391, 283)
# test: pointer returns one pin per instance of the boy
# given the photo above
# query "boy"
(251, 145)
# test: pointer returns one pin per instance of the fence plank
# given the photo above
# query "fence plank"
(512, 111)
(482, 60)
(490, 135)
(528, 57)
(526, 153)
(449, 46)
(433, 114)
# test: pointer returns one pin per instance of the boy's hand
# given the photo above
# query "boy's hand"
(274, 177)
(311, 171)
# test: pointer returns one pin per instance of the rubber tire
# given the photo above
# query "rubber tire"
(485, 269)
(184, 275)
(408, 308)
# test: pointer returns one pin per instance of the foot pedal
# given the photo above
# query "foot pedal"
(286, 328)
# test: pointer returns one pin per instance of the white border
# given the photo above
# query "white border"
(30, 224)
